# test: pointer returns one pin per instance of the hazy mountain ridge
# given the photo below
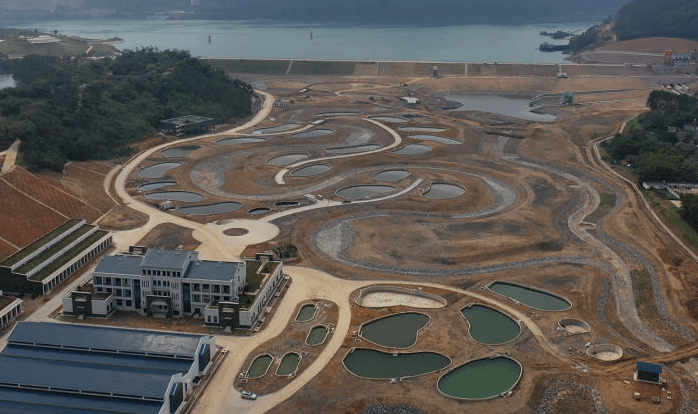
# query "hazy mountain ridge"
(650, 18)
(386, 12)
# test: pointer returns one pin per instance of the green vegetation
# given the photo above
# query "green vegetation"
(253, 280)
(69, 255)
(17, 257)
(650, 18)
(672, 214)
(76, 109)
(657, 147)
(46, 254)
(644, 300)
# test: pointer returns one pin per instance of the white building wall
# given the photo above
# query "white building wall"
(10, 312)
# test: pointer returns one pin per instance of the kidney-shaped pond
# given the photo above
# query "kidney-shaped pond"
(157, 170)
(412, 149)
(311, 170)
(395, 331)
(313, 133)
(360, 192)
(481, 379)
(391, 176)
(284, 160)
(215, 208)
(531, 297)
(443, 191)
(179, 152)
(490, 326)
(156, 185)
(373, 364)
(185, 196)
(435, 138)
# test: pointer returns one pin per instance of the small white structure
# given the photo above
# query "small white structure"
(435, 71)
(279, 103)
(410, 100)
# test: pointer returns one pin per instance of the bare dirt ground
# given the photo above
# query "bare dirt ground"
(652, 45)
(538, 209)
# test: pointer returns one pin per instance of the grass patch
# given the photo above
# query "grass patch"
(672, 215)
(17, 257)
(66, 47)
(69, 255)
(644, 300)
(253, 280)
(664, 194)
(608, 200)
(46, 254)
(265, 67)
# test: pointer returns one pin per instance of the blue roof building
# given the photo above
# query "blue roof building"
(646, 372)
(61, 368)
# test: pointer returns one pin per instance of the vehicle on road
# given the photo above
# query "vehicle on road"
(248, 395)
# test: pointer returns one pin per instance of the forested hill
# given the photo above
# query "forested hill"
(652, 18)
(69, 109)
(384, 12)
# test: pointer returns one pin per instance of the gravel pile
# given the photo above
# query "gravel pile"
(392, 409)
(554, 389)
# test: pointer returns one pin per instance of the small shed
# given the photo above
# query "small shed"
(410, 100)
(647, 372)
(435, 71)
(279, 103)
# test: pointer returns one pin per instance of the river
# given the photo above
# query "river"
(250, 39)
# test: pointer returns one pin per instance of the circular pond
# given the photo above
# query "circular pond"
(391, 176)
(317, 335)
(185, 196)
(242, 140)
(351, 150)
(284, 160)
(395, 331)
(412, 128)
(531, 297)
(393, 119)
(490, 326)
(311, 170)
(215, 208)
(179, 152)
(155, 186)
(157, 170)
(481, 379)
(306, 313)
(574, 326)
(443, 191)
(361, 192)
(373, 364)
(313, 133)
(278, 128)
(288, 365)
(435, 138)
(259, 211)
(260, 366)
(605, 352)
(412, 149)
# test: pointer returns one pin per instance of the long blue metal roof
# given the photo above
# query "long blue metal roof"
(647, 367)
(120, 264)
(209, 270)
(75, 377)
(104, 339)
(38, 402)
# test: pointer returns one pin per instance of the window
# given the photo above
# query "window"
(196, 298)
(97, 280)
(127, 292)
(226, 289)
(143, 272)
(118, 292)
(107, 281)
(206, 298)
(117, 281)
(149, 272)
(118, 302)
(168, 273)
(128, 303)
(208, 318)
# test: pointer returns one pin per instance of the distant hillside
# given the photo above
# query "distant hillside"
(385, 12)
(652, 18)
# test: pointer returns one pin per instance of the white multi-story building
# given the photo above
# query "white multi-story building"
(177, 283)
(172, 281)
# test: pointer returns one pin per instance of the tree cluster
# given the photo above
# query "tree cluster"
(652, 148)
(651, 18)
(73, 109)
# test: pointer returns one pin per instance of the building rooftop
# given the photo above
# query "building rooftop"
(209, 270)
(647, 367)
(188, 119)
(165, 259)
(79, 369)
(110, 340)
(120, 264)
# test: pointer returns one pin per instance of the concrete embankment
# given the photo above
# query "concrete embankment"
(393, 68)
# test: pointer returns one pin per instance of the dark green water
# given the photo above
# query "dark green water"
(490, 326)
(395, 331)
(288, 364)
(481, 378)
(370, 363)
(317, 336)
(259, 366)
(534, 298)
(306, 313)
